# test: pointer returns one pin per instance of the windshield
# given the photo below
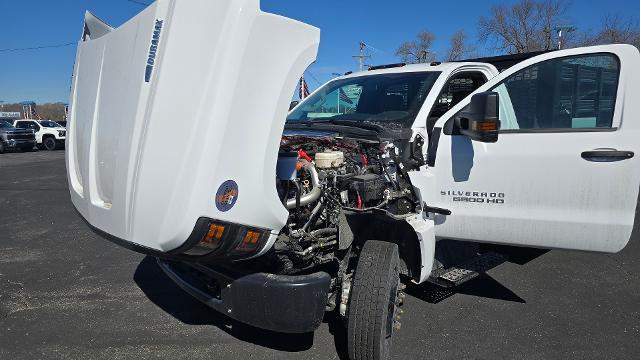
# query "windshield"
(49, 123)
(383, 98)
(5, 124)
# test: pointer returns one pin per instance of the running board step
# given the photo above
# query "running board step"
(459, 274)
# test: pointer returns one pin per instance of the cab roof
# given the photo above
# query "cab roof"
(445, 67)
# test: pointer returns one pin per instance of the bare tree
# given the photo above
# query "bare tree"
(459, 48)
(525, 26)
(417, 51)
(48, 111)
(615, 30)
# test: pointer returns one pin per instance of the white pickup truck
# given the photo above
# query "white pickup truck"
(49, 134)
(274, 218)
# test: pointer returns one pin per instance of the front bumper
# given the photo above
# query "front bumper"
(18, 143)
(289, 304)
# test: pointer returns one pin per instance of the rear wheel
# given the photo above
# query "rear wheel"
(373, 306)
(1, 148)
(49, 143)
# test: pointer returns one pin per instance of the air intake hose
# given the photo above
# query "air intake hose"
(315, 192)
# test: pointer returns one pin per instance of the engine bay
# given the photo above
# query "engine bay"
(323, 181)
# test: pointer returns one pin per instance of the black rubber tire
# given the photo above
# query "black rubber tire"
(1, 148)
(372, 305)
(49, 143)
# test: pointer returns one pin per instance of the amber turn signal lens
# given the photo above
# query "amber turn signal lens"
(484, 125)
(212, 239)
(250, 241)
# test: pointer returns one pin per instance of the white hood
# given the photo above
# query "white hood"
(177, 101)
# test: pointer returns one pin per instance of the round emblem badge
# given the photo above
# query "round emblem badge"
(227, 195)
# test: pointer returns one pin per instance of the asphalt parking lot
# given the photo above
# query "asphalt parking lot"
(67, 293)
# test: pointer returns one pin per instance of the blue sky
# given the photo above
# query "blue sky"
(44, 75)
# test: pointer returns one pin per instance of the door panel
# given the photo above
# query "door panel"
(545, 182)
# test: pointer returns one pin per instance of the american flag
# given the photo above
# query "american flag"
(344, 97)
(303, 89)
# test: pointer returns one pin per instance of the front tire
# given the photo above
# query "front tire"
(373, 304)
(49, 143)
(1, 148)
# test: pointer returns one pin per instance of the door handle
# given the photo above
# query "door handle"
(606, 155)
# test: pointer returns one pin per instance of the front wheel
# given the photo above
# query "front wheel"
(49, 143)
(373, 306)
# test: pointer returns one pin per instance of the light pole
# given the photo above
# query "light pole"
(1, 105)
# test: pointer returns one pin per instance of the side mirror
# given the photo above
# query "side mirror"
(482, 121)
(293, 104)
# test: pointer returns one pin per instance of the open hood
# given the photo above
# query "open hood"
(183, 102)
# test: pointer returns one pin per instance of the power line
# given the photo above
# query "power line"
(138, 2)
(376, 49)
(313, 77)
(38, 47)
(58, 45)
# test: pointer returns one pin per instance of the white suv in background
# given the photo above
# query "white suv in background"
(49, 134)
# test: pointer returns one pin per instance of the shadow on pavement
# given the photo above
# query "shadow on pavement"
(516, 255)
(483, 285)
(170, 298)
(173, 300)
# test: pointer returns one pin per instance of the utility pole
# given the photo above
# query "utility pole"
(362, 56)
(423, 56)
(561, 29)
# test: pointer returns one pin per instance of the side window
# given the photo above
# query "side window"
(576, 92)
(22, 125)
(457, 88)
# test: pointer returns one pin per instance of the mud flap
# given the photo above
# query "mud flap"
(425, 232)
(423, 225)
